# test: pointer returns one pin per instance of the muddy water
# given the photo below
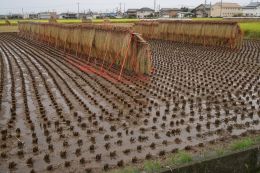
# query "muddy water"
(197, 95)
(5, 112)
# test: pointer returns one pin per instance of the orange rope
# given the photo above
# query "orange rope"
(116, 57)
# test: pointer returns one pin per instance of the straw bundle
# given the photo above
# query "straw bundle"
(219, 33)
(53, 20)
(147, 29)
(105, 45)
(7, 22)
(84, 20)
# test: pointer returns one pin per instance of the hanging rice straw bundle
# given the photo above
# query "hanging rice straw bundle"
(105, 45)
(7, 22)
(52, 20)
(218, 33)
(84, 20)
(147, 29)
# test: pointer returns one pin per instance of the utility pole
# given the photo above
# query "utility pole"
(210, 10)
(205, 13)
(159, 10)
(221, 4)
(78, 10)
(154, 5)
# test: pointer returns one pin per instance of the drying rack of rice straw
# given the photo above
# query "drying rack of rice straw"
(107, 46)
(148, 29)
(207, 33)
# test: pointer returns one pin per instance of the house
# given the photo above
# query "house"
(33, 16)
(203, 10)
(47, 15)
(145, 13)
(169, 12)
(131, 13)
(119, 15)
(68, 15)
(2, 16)
(94, 15)
(182, 14)
(109, 15)
(15, 16)
(252, 9)
(225, 10)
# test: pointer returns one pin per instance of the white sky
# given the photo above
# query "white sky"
(16, 6)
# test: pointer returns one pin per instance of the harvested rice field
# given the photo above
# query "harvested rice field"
(57, 116)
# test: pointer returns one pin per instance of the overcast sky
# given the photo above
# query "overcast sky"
(16, 6)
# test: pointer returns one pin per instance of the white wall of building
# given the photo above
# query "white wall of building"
(143, 14)
(44, 16)
(217, 11)
(251, 12)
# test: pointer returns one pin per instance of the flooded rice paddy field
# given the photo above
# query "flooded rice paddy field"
(57, 118)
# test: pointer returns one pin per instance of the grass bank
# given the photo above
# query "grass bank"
(185, 157)
(251, 30)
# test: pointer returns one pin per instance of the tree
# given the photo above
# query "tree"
(184, 9)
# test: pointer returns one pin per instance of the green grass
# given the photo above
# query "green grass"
(242, 144)
(152, 166)
(181, 157)
(220, 152)
(251, 29)
(14, 22)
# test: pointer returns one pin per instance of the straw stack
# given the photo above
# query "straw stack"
(7, 22)
(147, 29)
(217, 33)
(85, 20)
(105, 45)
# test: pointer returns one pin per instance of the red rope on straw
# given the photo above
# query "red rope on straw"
(110, 66)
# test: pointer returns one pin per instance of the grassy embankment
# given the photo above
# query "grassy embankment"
(184, 157)
(251, 30)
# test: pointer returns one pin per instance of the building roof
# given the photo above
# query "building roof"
(252, 5)
(68, 13)
(228, 5)
(43, 13)
(132, 10)
(170, 9)
(15, 14)
(145, 9)
(207, 6)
